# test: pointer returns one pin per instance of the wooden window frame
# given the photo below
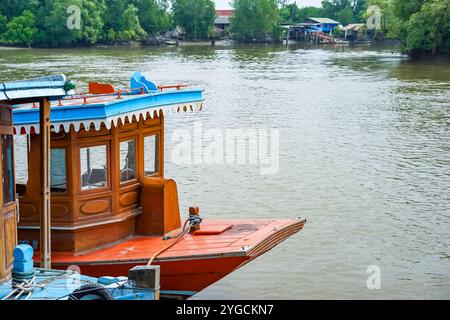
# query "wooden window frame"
(123, 184)
(13, 172)
(66, 153)
(156, 133)
(108, 169)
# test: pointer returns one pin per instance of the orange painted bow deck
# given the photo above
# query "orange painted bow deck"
(198, 260)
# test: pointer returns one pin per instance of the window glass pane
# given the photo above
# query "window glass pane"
(94, 167)
(127, 160)
(58, 170)
(7, 168)
(21, 158)
(150, 154)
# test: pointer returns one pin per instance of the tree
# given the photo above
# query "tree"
(254, 19)
(113, 15)
(22, 29)
(92, 20)
(345, 16)
(428, 30)
(292, 11)
(54, 17)
(331, 8)
(194, 16)
(129, 26)
(390, 23)
(423, 26)
(153, 15)
(3, 22)
(14, 8)
(309, 12)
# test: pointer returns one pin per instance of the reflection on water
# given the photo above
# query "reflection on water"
(364, 155)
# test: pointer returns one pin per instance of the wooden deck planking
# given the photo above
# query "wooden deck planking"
(230, 241)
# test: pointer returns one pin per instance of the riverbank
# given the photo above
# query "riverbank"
(199, 43)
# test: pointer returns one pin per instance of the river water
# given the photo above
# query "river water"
(364, 155)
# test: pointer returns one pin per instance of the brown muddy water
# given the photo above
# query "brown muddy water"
(364, 155)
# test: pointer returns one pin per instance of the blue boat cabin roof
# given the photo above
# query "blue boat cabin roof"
(143, 99)
(43, 87)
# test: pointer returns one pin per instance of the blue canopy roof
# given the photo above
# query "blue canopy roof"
(107, 109)
(49, 87)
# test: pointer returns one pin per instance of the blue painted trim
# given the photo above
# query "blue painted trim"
(109, 109)
(25, 85)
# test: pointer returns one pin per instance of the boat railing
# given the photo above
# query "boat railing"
(177, 86)
(119, 93)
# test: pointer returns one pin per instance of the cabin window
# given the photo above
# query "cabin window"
(7, 168)
(58, 171)
(93, 164)
(127, 160)
(150, 155)
(21, 149)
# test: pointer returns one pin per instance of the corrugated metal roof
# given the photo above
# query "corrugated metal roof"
(353, 26)
(324, 20)
(306, 24)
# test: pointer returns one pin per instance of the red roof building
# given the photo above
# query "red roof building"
(223, 19)
(224, 13)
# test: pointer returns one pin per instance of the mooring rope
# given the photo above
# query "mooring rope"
(191, 221)
(25, 287)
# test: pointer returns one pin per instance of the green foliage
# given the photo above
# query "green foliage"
(3, 22)
(297, 14)
(153, 15)
(130, 27)
(345, 16)
(337, 32)
(428, 30)
(340, 8)
(14, 8)
(423, 26)
(254, 19)
(91, 20)
(194, 16)
(52, 19)
(113, 15)
(100, 20)
(21, 29)
(111, 35)
(390, 23)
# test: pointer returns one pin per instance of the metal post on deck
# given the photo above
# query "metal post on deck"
(45, 223)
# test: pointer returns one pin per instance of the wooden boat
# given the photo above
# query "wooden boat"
(111, 206)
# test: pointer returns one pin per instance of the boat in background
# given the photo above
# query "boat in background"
(112, 208)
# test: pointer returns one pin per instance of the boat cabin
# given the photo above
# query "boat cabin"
(107, 150)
